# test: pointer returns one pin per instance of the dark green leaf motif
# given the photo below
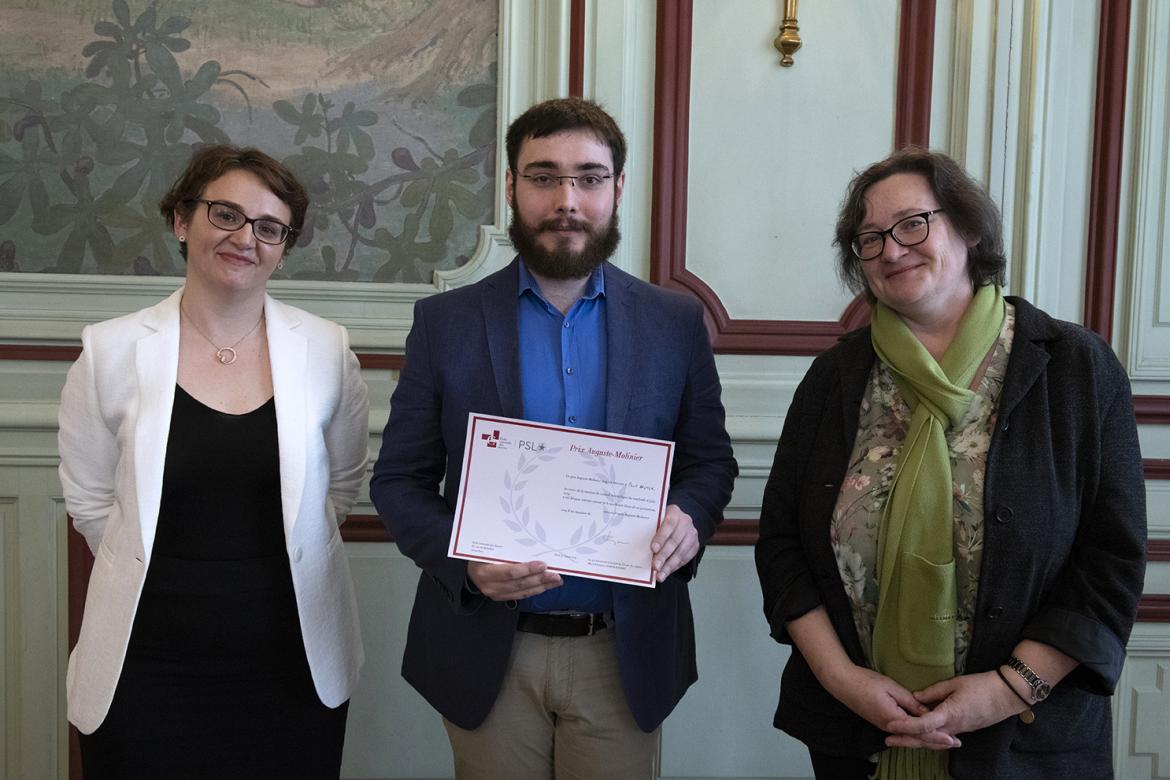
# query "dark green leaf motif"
(83, 168)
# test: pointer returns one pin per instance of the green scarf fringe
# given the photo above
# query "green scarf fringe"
(913, 764)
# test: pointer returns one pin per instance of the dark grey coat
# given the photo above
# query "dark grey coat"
(1063, 557)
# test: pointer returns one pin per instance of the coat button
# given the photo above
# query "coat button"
(1004, 514)
(994, 612)
(297, 555)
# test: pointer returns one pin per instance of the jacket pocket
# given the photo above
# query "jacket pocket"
(1070, 719)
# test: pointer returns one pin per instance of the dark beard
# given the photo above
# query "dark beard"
(600, 244)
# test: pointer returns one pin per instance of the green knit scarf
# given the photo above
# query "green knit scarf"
(914, 631)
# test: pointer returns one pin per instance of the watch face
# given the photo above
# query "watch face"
(1041, 691)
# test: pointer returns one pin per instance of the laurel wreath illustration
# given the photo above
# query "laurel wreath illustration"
(586, 537)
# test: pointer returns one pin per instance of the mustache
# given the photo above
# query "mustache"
(562, 224)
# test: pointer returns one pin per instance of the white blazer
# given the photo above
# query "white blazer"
(114, 420)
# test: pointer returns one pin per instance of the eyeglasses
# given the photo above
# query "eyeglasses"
(590, 182)
(225, 217)
(908, 231)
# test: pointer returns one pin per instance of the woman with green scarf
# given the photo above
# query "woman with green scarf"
(953, 533)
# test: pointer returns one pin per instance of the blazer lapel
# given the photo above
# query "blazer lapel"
(621, 349)
(288, 356)
(502, 327)
(156, 363)
(1028, 359)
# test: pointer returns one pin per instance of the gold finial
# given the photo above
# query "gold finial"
(788, 41)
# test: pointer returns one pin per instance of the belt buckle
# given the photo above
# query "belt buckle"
(592, 623)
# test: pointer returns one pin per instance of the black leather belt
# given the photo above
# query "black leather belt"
(561, 624)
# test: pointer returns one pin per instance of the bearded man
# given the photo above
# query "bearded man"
(538, 675)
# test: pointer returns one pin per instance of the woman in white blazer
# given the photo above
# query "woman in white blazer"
(210, 447)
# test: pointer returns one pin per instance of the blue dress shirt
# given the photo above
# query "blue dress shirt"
(562, 380)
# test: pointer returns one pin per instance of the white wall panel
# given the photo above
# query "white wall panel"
(1158, 508)
(9, 609)
(1154, 440)
(1141, 706)
(772, 148)
(723, 727)
(32, 623)
(1144, 308)
(392, 731)
(1015, 107)
(619, 74)
(1050, 187)
(969, 80)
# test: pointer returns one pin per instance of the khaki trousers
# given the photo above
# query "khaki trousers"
(560, 714)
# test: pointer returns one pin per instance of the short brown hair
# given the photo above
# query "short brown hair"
(967, 205)
(572, 113)
(208, 163)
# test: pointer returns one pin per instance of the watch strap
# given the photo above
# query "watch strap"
(1039, 687)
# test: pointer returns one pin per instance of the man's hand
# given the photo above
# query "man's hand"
(512, 581)
(675, 544)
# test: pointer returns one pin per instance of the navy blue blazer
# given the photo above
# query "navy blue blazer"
(462, 356)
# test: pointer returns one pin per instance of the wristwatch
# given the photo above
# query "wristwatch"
(1040, 689)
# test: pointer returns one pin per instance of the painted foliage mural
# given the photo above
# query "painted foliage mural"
(384, 108)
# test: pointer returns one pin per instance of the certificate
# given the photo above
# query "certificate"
(585, 502)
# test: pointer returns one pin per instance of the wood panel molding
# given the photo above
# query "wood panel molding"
(373, 361)
(38, 352)
(365, 528)
(1154, 608)
(672, 87)
(668, 211)
(576, 48)
(1156, 468)
(369, 528)
(729, 533)
(805, 336)
(915, 73)
(368, 360)
(1105, 188)
(1152, 409)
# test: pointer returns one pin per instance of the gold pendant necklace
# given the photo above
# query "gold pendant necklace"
(225, 355)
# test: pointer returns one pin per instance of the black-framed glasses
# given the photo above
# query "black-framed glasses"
(228, 217)
(908, 231)
(590, 182)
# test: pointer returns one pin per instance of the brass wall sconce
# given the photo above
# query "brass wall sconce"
(788, 41)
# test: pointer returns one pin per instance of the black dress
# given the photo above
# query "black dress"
(215, 683)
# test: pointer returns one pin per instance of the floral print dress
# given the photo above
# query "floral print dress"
(882, 429)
